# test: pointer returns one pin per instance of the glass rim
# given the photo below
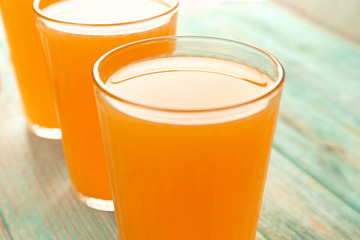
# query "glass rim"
(100, 84)
(39, 13)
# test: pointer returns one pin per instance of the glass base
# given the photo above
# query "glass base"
(98, 204)
(43, 132)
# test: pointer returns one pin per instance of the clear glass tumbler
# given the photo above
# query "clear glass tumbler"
(188, 125)
(30, 68)
(75, 34)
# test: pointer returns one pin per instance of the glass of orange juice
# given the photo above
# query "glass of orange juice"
(188, 124)
(29, 64)
(75, 34)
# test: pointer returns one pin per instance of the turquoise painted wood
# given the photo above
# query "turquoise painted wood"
(313, 187)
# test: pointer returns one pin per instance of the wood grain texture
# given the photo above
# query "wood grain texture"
(313, 187)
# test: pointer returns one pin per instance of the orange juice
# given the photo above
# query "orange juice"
(29, 63)
(87, 30)
(186, 159)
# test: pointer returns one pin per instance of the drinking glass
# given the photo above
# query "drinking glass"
(188, 125)
(30, 69)
(75, 34)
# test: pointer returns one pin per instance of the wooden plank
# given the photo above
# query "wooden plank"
(260, 236)
(296, 206)
(4, 229)
(329, 157)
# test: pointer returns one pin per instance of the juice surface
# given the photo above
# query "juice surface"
(172, 83)
(180, 178)
(104, 11)
(29, 62)
(73, 51)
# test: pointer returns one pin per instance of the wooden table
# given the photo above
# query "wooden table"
(313, 186)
